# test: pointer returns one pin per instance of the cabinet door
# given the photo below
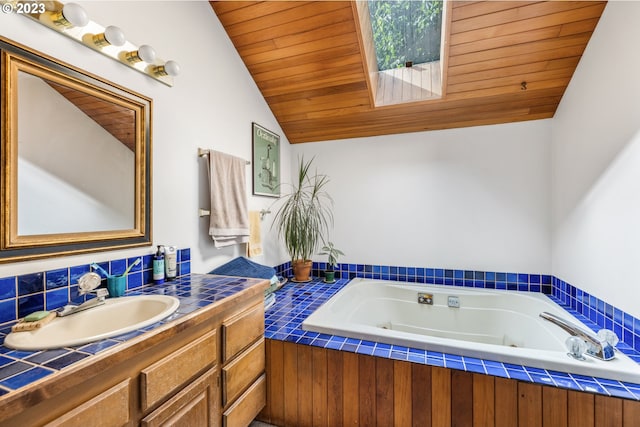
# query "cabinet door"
(248, 406)
(195, 406)
(110, 407)
(169, 374)
(242, 330)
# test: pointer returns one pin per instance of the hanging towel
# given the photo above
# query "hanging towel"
(254, 247)
(229, 219)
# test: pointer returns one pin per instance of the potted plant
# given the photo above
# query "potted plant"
(304, 218)
(332, 260)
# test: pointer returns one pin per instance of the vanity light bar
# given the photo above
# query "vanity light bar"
(71, 20)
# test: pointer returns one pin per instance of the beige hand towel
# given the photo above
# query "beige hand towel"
(229, 219)
(254, 247)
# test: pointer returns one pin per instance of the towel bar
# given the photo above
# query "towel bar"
(203, 152)
(204, 212)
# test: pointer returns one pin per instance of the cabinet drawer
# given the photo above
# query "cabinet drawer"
(196, 405)
(241, 330)
(247, 406)
(242, 371)
(168, 374)
(111, 408)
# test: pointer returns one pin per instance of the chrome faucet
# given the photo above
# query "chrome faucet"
(69, 309)
(595, 346)
(87, 284)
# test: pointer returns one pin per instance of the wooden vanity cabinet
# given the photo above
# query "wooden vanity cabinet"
(207, 369)
(243, 370)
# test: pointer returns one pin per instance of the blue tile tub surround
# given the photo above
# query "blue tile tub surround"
(48, 290)
(295, 302)
(20, 368)
(588, 308)
(435, 276)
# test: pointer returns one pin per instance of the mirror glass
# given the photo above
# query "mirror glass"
(75, 159)
(76, 167)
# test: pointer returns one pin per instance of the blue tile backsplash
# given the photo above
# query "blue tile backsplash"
(48, 290)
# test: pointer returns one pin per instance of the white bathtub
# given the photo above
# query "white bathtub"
(497, 325)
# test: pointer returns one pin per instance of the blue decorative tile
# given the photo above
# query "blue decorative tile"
(13, 368)
(56, 298)
(66, 360)
(29, 304)
(7, 287)
(474, 367)
(134, 280)
(26, 377)
(57, 278)
(76, 272)
(185, 254)
(8, 311)
(5, 361)
(30, 283)
(118, 266)
(47, 355)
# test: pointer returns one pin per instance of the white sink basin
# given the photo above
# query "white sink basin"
(117, 316)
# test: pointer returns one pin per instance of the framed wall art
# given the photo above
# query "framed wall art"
(265, 161)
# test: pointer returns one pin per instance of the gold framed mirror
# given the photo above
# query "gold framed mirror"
(75, 153)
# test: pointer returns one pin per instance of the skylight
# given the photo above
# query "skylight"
(407, 36)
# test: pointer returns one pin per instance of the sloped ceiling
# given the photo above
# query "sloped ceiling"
(307, 60)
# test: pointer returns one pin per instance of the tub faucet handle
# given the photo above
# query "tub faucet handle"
(424, 298)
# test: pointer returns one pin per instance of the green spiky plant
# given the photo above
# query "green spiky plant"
(305, 217)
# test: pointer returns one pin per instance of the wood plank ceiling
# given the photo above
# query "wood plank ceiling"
(307, 60)
(119, 121)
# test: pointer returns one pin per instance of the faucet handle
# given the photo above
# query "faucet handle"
(88, 282)
(576, 346)
(608, 336)
(101, 293)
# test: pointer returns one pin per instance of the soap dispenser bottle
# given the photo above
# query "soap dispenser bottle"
(158, 266)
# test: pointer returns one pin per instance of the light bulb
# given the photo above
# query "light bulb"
(147, 53)
(112, 36)
(171, 68)
(71, 15)
(144, 53)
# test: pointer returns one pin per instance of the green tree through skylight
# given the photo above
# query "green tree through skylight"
(406, 30)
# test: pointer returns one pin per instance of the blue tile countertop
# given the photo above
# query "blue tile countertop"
(21, 368)
(295, 302)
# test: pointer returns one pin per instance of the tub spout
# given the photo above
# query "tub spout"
(595, 347)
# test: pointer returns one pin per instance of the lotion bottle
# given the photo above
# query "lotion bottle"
(170, 261)
(158, 266)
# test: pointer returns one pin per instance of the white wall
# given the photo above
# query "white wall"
(212, 104)
(473, 198)
(596, 165)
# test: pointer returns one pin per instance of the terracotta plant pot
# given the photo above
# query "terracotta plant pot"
(301, 270)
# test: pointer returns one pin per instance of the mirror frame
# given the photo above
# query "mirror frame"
(13, 247)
